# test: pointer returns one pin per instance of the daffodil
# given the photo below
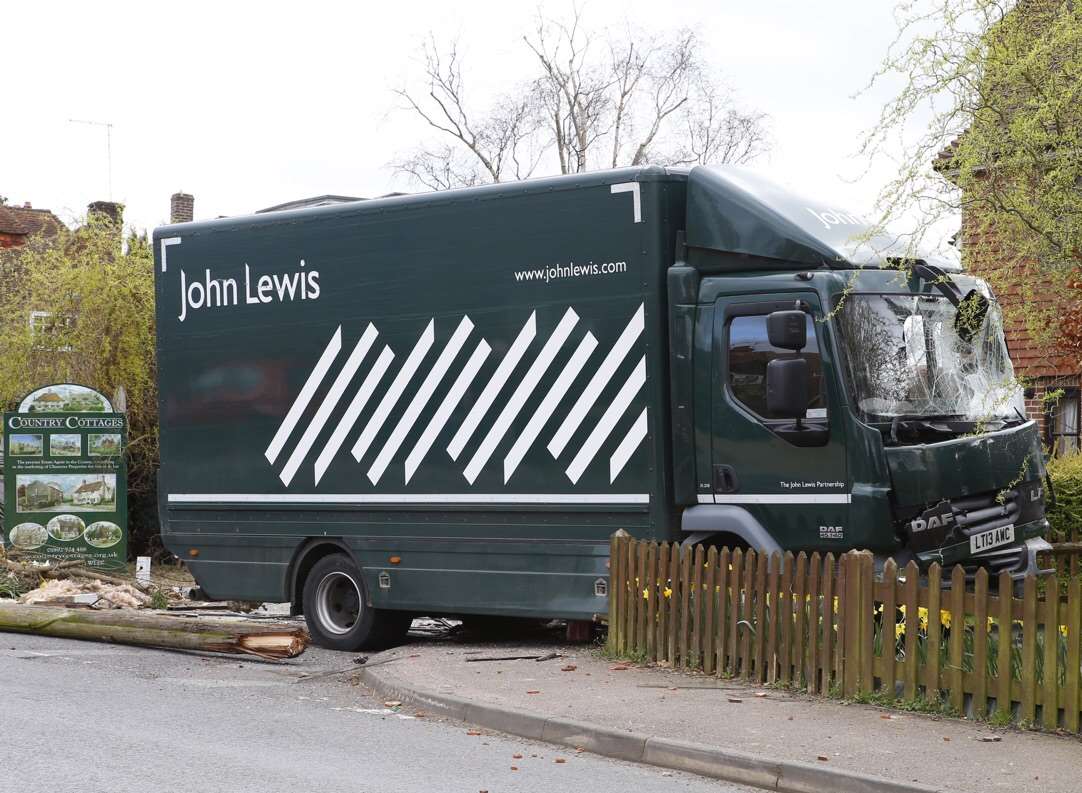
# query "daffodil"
(667, 592)
(945, 619)
(646, 594)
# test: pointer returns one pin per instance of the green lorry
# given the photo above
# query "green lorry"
(447, 403)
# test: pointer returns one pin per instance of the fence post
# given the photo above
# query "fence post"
(629, 590)
(888, 628)
(850, 596)
(616, 585)
(867, 622)
(1005, 624)
(709, 631)
(827, 661)
(1071, 673)
(931, 677)
(1029, 649)
(1049, 700)
(980, 644)
(858, 606)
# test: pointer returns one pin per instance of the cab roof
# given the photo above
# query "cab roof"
(734, 210)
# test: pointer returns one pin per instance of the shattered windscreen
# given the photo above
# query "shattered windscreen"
(906, 358)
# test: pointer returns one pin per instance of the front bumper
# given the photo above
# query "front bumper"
(1017, 560)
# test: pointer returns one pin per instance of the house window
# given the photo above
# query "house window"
(1063, 423)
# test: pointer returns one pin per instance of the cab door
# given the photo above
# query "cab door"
(790, 475)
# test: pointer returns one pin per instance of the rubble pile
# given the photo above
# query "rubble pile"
(97, 594)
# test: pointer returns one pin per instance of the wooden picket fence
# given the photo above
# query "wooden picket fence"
(833, 626)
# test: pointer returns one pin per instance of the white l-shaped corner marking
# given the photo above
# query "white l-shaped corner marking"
(166, 242)
(633, 188)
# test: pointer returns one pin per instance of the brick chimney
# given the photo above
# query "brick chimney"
(108, 211)
(181, 207)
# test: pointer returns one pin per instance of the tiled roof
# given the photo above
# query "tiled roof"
(24, 220)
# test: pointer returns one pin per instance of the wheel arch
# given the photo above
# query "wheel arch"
(311, 551)
(727, 521)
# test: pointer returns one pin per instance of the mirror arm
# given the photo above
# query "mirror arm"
(938, 277)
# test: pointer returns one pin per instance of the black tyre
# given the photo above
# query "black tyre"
(337, 611)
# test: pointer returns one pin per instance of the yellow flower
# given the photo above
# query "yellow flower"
(922, 617)
(945, 618)
(646, 594)
(1063, 631)
(667, 592)
(899, 630)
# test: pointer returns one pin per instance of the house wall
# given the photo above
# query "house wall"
(1037, 362)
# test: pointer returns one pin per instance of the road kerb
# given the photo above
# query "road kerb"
(725, 764)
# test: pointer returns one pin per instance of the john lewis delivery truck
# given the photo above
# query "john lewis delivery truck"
(447, 403)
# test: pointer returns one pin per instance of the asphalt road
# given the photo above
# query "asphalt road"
(81, 717)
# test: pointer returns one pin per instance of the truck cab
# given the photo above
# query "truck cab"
(836, 390)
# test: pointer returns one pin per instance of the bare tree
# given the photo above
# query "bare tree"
(498, 144)
(598, 100)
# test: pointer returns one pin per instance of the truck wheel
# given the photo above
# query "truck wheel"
(337, 611)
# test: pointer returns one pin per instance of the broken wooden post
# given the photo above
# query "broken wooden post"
(155, 630)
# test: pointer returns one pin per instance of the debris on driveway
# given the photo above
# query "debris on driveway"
(95, 594)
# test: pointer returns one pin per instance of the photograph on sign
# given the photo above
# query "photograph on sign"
(104, 444)
(28, 536)
(102, 534)
(65, 398)
(26, 446)
(66, 527)
(65, 445)
(64, 492)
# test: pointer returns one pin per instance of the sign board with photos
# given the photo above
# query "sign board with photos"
(65, 479)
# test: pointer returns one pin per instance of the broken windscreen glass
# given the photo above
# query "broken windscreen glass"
(906, 358)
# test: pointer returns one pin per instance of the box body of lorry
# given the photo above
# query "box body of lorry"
(468, 392)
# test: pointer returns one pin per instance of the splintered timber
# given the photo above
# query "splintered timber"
(210, 292)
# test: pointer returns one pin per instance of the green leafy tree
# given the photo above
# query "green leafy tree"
(80, 308)
(989, 116)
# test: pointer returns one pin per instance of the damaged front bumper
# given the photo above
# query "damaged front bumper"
(1017, 560)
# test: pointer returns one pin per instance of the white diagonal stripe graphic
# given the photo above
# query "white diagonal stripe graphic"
(548, 405)
(446, 408)
(356, 405)
(522, 393)
(394, 392)
(597, 383)
(627, 446)
(301, 402)
(420, 399)
(495, 383)
(329, 403)
(620, 404)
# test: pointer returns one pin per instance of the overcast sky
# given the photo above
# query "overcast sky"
(247, 105)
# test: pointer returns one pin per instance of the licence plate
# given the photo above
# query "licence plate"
(993, 538)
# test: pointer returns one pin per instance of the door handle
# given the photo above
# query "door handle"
(725, 480)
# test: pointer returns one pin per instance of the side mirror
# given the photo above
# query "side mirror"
(787, 383)
(787, 330)
(971, 312)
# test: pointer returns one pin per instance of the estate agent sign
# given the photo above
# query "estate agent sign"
(65, 482)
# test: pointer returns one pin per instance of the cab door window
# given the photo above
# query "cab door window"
(749, 353)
